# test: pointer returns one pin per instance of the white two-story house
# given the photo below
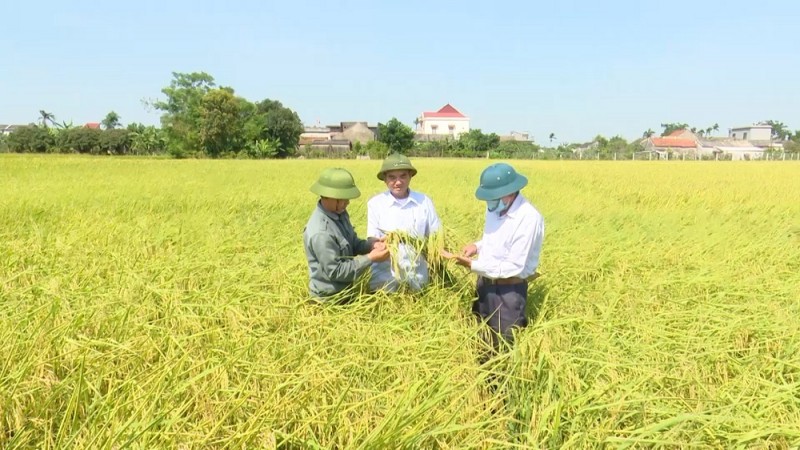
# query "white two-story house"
(447, 121)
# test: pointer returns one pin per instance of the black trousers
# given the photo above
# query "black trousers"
(501, 307)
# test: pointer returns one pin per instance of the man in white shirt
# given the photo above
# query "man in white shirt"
(403, 210)
(507, 256)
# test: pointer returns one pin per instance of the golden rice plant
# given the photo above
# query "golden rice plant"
(163, 304)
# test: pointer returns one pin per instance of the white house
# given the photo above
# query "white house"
(447, 121)
(757, 132)
(735, 149)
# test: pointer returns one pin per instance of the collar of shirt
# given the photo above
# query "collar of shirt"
(512, 211)
(412, 197)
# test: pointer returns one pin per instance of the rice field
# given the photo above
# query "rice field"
(162, 304)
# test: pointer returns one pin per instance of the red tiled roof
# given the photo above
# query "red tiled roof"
(93, 125)
(677, 132)
(445, 111)
(673, 142)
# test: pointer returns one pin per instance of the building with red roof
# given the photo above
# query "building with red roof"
(681, 142)
(671, 142)
(447, 121)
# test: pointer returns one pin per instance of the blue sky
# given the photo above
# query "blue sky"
(573, 68)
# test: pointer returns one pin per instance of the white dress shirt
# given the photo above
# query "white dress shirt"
(414, 215)
(511, 244)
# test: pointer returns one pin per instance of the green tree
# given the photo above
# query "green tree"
(80, 140)
(515, 149)
(476, 143)
(32, 138)
(376, 149)
(269, 120)
(617, 145)
(779, 129)
(146, 140)
(648, 133)
(398, 137)
(673, 126)
(111, 121)
(115, 142)
(221, 128)
(181, 110)
(263, 148)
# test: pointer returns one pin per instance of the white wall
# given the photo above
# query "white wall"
(743, 153)
(441, 125)
(315, 135)
(751, 133)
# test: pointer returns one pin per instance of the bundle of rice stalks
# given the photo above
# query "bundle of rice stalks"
(430, 248)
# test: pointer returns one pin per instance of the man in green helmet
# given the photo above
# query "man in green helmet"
(409, 213)
(507, 256)
(335, 254)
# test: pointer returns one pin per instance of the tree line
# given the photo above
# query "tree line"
(135, 139)
(201, 119)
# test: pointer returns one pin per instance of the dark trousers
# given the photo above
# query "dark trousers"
(501, 307)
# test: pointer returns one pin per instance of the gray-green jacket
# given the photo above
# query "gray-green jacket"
(331, 246)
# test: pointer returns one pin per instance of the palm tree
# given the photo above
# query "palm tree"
(45, 117)
(648, 134)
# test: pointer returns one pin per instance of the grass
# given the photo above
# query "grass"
(162, 304)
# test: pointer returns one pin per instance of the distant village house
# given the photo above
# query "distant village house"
(338, 138)
(742, 143)
(446, 122)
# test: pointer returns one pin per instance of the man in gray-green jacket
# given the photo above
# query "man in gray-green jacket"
(335, 254)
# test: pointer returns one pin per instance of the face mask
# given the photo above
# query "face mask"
(496, 206)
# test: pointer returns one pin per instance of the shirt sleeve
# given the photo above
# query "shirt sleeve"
(526, 240)
(434, 224)
(361, 246)
(332, 264)
(372, 221)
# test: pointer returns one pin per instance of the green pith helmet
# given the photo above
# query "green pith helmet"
(396, 161)
(336, 183)
(499, 180)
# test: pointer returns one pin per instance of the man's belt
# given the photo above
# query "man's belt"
(503, 281)
(510, 280)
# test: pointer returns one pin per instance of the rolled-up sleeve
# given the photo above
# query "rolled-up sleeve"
(333, 266)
